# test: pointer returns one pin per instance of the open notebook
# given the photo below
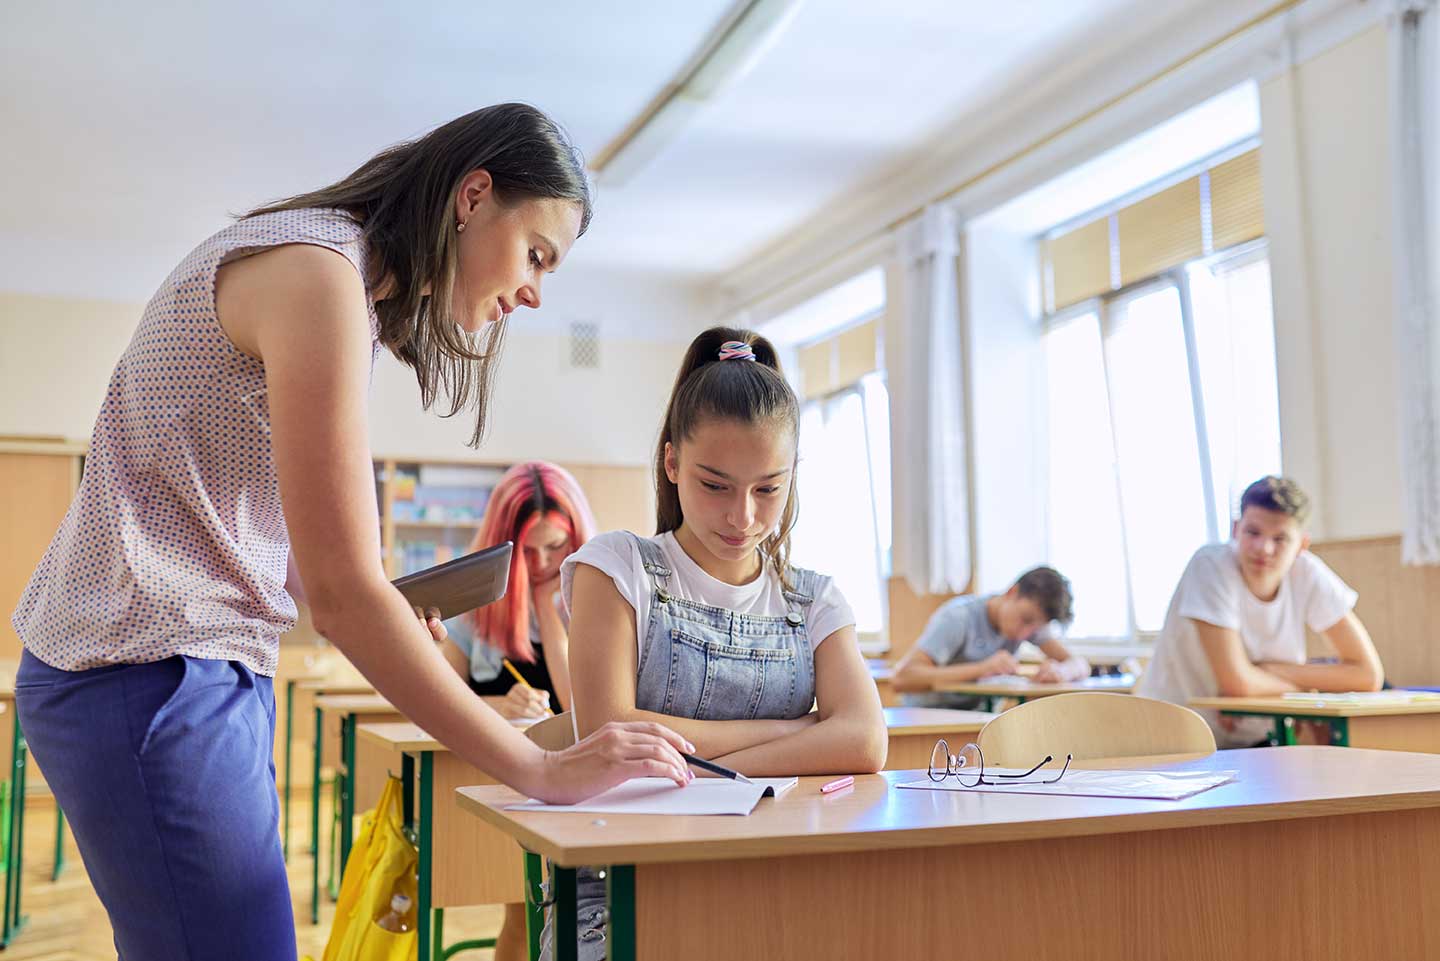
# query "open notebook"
(658, 795)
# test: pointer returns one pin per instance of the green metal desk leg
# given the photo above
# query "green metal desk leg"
(315, 819)
(407, 792)
(59, 843)
(425, 810)
(347, 797)
(289, 732)
(18, 841)
(1289, 723)
(15, 862)
(1340, 731)
(567, 908)
(332, 850)
(534, 903)
(621, 890)
(12, 860)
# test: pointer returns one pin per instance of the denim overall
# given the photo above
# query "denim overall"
(710, 664)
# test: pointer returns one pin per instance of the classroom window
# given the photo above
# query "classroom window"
(1163, 406)
(844, 487)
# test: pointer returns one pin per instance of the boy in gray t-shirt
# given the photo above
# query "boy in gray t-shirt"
(976, 636)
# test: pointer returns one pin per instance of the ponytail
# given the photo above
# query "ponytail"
(720, 380)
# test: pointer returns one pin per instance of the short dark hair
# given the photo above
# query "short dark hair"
(1279, 494)
(1049, 589)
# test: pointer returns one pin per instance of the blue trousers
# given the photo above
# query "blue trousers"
(166, 774)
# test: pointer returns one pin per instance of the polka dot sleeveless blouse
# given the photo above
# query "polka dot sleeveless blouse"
(176, 541)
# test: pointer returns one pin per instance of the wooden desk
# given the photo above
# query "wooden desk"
(914, 731)
(14, 814)
(1235, 871)
(482, 865)
(1413, 726)
(336, 716)
(11, 921)
(1025, 690)
(303, 689)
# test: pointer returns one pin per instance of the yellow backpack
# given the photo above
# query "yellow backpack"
(381, 864)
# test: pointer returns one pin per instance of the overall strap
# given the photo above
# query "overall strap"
(653, 559)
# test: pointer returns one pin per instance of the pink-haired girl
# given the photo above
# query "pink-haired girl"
(540, 507)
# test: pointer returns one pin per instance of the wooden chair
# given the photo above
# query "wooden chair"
(554, 733)
(1092, 725)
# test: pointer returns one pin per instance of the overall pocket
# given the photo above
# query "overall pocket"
(720, 681)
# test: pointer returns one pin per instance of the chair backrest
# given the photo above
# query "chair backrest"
(554, 733)
(1092, 724)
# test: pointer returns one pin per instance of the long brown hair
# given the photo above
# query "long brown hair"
(748, 393)
(404, 199)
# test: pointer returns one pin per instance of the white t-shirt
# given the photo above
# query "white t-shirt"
(617, 554)
(1213, 590)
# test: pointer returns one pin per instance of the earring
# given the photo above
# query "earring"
(460, 227)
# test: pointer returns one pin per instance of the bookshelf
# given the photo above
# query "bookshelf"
(429, 512)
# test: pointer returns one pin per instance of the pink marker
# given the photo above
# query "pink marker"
(836, 785)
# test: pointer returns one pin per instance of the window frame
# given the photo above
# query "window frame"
(1103, 307)
(871, 642)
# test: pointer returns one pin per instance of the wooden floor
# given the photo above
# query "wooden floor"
(67, 922)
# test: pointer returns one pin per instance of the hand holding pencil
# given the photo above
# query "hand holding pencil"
(526, 700)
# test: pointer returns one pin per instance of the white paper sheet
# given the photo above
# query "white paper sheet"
(658, 795)
(1151, 785)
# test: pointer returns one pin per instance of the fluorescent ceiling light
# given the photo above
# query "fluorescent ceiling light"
(730, 54)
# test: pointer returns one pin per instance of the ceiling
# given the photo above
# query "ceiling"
(131, 131)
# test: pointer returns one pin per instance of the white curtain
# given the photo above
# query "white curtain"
(925, 364)
(1415, 187)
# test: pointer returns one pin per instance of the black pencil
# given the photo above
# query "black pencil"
(714, 768)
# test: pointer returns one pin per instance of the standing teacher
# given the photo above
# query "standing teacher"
(230, 465)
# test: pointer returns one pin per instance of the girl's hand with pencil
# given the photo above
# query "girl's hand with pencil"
(522, 701)
(617, 752)
(524, 685)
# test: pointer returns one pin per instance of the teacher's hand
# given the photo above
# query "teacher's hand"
(615, 753)
(431, 618)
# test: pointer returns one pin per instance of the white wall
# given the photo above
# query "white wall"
(1325, 165)
(56, 356)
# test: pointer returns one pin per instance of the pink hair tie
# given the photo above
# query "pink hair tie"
(736, 350)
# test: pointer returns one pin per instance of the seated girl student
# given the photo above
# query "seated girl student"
(1236, 625)
(977, 635)
(706, 625)
(540, 508)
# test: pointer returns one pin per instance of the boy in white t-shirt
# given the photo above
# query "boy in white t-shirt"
(1236, 625)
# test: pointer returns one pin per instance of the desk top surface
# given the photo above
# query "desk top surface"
(902, 721)
(334, 685)
(1321, 707)
(354, 703)
(1272, 784)
(411, 738)
(1022, 687)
